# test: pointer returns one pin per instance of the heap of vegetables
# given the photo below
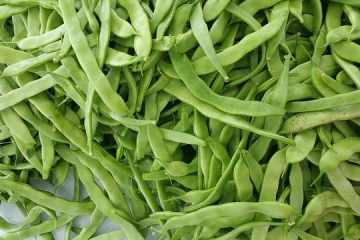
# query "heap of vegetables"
(182, 119)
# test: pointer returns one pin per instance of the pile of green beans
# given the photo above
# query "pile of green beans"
(181, 119)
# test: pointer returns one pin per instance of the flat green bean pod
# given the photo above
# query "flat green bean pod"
(179, 90)
(249, 43)
(198, 88)
(324, 103)
(230, 210)
(88, 61)
(340, 151)
(47, 200)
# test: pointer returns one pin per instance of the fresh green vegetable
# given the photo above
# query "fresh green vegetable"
(217, 119)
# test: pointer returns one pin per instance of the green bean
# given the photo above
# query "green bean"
(324, 103)
(344, 188)
(354, 17)
(89, 121)
(346, 50)
(253, 6)
(88, 61)
(181, 137)
(354, 231)
(303, 121)
(71, 131)
(158, 85)
(304, 235)
(157, 144)
(341, 33)
(163, 44)
(24, 65)
(24, 112)
(17, 95)
(103, 203)
(305, 142)
(303, 71)
(349, 2)
(105, 31)
(256, 173)
(333, 16)
(44, 15)
(109, 184)
(195, 196)
(46, 200)
(200, 90)
(52, 47)
(295, 8)
(5, 132)
(144, 85)
(320, 203)
(145, 190)
(44, 227)
(270, 186)
(301, 91)
(349, 69)
(296, 184)
(162, 8)
(179, 90)
(181, 17)
(120, 27)
(51, 4)
(33, 42)
(132, 90)
(229, 210)
(140, 22)
(344, 128)
(233, 233)
(219, 151)
(8, 10)
(20, 30)
(317, 15)
(204, 154)
(141, 143)
(213, 8)
(243, 184)
(47, 154)
(165, 23)
(273, 123)
(60, 173)
(117, 59)
(279, 10)
(335, 85)
(247, 44)
(70, 90)
(349, 170)
(17, 127)
(201, 34)
(340, 151)
(216, 32)
(93, 23)
(54, 21)
(33, 214)
(110, 235)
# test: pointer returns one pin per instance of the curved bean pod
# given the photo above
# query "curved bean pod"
(340, 151)
(246, 45)
(179, 90)
(275, 210)
(47, 200)
(197, 87)
(140, 22)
